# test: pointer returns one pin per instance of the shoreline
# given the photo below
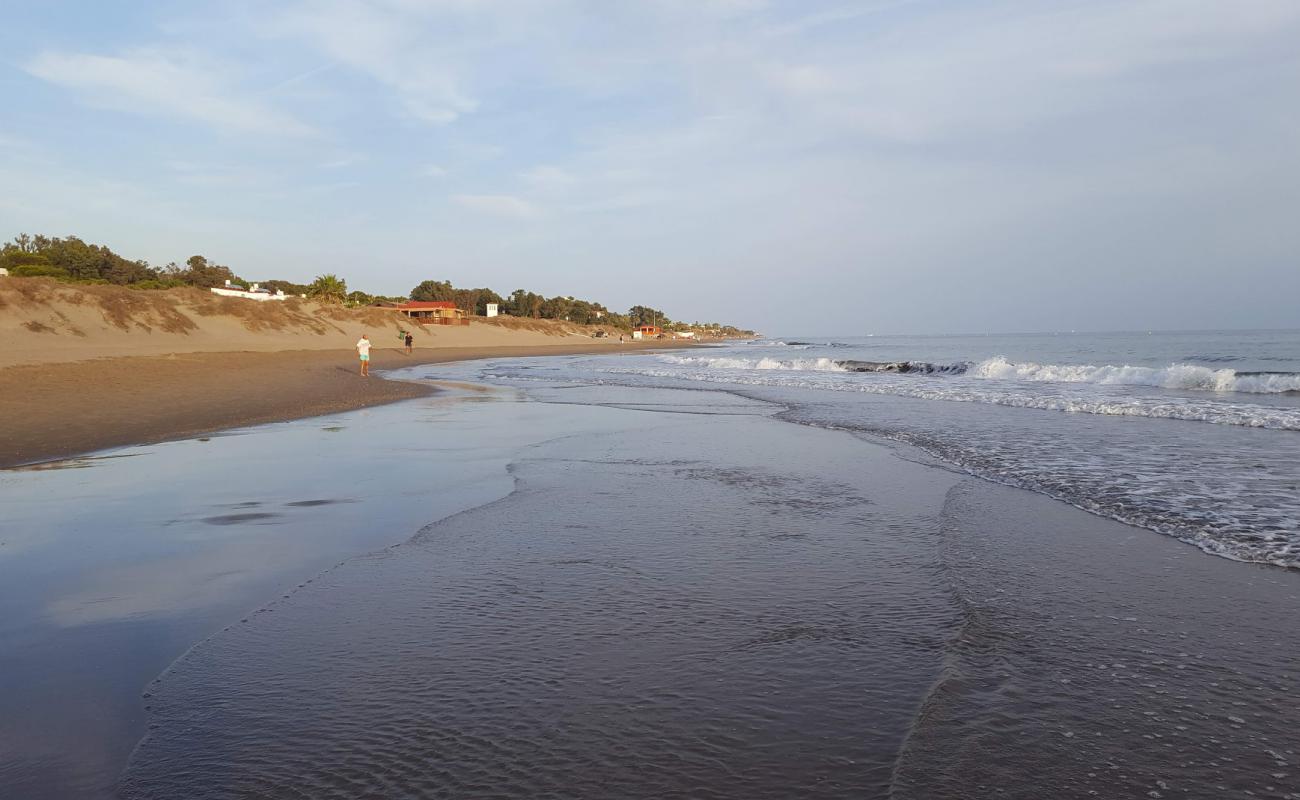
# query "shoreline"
(50, 411)
(838, 585)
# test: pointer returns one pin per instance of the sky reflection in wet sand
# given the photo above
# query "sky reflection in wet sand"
(111, 566)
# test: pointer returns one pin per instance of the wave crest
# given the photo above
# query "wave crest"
(800, 364)
(1175, 376)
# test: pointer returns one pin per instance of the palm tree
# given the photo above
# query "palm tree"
(328, 289)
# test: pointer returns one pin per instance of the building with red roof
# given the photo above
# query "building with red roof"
(433, 312)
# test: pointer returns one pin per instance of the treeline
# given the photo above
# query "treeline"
(531, 305)
(71, 259)
(523, 303)
(520, 303)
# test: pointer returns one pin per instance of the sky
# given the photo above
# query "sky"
(810, 167)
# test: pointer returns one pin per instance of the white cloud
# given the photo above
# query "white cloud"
(433, 171)
(387, 43)
(498, 205)
(150, 82)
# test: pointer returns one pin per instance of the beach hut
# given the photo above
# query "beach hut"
(649, 331)
(433, 312)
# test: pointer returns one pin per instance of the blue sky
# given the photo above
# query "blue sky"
(799, 167)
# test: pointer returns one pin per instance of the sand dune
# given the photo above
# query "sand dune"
(90, 367)
(44, 321)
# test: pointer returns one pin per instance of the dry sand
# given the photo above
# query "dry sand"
(43, 321)
(86, 368)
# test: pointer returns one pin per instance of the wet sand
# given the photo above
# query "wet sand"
(60, 409)
(597, 591)
(766, 633)
(113, 565)
(812, 614)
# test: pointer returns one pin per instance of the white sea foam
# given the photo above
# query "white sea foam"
(1174, 376)
(961, 390)
(799, 364)
(1229, 492)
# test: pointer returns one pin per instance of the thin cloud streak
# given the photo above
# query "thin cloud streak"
(158, 84)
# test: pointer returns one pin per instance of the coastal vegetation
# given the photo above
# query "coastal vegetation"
(72, 260)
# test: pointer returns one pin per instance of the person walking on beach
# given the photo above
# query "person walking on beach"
(363, 350)
(409, 341)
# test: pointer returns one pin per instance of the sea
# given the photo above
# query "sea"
(903, 568)
(1191, 434)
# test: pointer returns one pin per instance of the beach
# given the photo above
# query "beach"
(90, 367)
(52, 410)
(574, 568)
(520, 586)
(723, 400)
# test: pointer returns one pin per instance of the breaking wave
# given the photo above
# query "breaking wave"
(799, 364)
(1175, 376)
(1215, 412)
(1188, 377)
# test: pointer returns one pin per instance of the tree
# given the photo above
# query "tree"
(556, 308)
(523, 303)
(204, 274)
(12, 259)
(474, 301)
(644, 315)
(73, 259)
(429, 291)
(328, 288)
(288, 287)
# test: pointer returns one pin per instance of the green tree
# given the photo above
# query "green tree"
(523, 303)
(644, 315)
(556, 308)
(288, 287)
(475, 300)
(204, 274)
(430, 291)
(13, 259)
(73, 259)
(328, 288)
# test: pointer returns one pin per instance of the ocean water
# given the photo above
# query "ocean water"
(691, 593)
(663, 575)
(1195, 435)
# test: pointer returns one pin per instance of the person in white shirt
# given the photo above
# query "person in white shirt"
(363, 350)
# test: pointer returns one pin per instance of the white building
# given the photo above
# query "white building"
(255, 292)
(490, 310)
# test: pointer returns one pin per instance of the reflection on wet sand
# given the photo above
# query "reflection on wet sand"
(108, 574)
(767, 633)
(82, 462)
